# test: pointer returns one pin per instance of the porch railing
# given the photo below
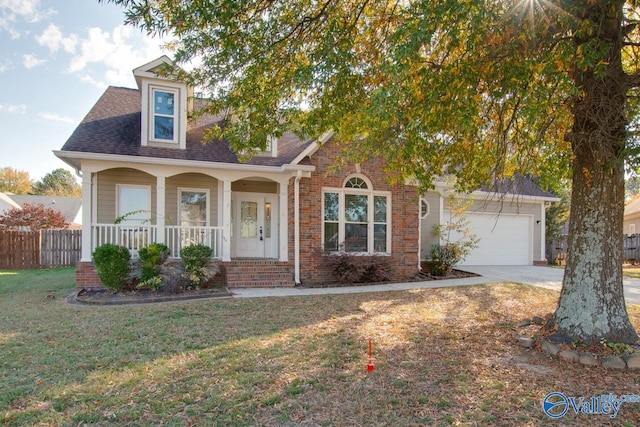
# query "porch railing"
(177, 237)
(135, 237)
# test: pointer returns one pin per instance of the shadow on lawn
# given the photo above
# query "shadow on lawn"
(441, 356)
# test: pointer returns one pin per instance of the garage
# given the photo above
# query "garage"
(505, 239)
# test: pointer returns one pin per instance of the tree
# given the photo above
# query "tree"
(478, 90)
(35, 217)
(59, 182)
(14, 181)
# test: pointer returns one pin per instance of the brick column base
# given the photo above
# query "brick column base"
(87, 277)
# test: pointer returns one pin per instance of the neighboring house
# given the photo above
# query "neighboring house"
(7, 203)
(70, 207)
(270, 219)
(631, 223)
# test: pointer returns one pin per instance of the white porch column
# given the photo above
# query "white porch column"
(87, 209)
(283, 237)
(160, 208)
(226, 220)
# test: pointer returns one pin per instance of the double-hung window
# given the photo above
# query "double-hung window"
(356, 218)
(164, 121)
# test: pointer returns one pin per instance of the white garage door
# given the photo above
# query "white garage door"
(504, 239)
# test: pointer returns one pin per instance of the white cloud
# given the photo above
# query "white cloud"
(16, 11)
(52, 38)
(16, 109)
(89, 79)
(31, 61)
(115, 53)
(57, 118)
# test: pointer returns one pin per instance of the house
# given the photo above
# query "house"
(269, 219)
(69, 207)
(631, 221)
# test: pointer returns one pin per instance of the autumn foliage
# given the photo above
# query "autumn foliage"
(34, 217)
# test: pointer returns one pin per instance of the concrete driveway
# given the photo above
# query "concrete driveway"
(548, 277)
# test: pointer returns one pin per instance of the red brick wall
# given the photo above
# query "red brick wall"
(87, 277)
(404, 220)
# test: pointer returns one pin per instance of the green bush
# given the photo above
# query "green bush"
(444, 258)
(112, 265)
(195, 259)
(151, 257)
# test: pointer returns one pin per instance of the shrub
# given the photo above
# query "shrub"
(444, 258)
(196, 259)
(348, 268)
(458, 241)
(112, 265)
(150, 259)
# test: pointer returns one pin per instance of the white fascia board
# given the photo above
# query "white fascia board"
(146, 70)
(493, 196)
(69, 156)
(314, 146)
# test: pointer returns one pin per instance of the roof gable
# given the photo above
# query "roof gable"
(150, 70)
(113, 127)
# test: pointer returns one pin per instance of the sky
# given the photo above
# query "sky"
(57, 57)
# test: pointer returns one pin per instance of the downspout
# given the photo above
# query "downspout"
(296, 227)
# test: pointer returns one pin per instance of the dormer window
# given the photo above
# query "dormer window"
(164, 106)
(163, 115)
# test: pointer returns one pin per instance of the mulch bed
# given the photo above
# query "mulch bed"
(420, 277)
(144, 296)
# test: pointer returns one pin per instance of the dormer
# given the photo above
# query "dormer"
(164, 106)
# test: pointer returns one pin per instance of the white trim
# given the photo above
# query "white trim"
(153, 89)
(296, 227)
(423, 200)
(542, 225)
(194, 190)
(202, 165)
(88, 190)
(161, 208)
(132, 186)
(371, 194)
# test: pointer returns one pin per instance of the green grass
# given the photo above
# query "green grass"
(442, 357)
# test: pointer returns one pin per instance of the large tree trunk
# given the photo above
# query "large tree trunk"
(592, 304)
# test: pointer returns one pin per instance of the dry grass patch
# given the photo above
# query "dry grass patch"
(442, 357)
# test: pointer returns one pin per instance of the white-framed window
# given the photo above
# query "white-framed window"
(133, 204)
(193, 208)
(356, 218)
(164, 119)
(424, 208)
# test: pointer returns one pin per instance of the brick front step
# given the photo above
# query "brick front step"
(258, 273)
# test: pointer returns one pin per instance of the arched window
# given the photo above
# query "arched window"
(356, 218)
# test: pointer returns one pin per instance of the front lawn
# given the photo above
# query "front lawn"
(442, 357)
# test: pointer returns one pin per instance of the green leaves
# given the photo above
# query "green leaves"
(474, 88)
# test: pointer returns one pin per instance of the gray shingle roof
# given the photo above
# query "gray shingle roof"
(67, 206)
(113, 126)
(518, 184)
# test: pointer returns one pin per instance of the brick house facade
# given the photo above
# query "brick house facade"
(404, 254)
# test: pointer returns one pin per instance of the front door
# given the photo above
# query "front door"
(254, 233)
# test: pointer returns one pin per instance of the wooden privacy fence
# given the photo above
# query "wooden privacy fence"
(60, 248)
(19, 249)
(33, 249)
(557, 250)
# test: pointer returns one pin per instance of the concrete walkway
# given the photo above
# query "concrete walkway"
(548, 277)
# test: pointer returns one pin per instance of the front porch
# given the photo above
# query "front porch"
(240, 216)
